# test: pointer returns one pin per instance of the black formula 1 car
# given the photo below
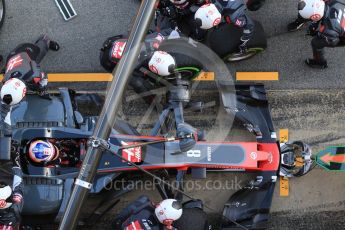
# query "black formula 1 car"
(172, 145)
(48, 188)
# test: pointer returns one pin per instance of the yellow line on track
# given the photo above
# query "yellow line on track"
(283, 135)
(257, 76)
(102, 77)
(78, 77)
(284, 186)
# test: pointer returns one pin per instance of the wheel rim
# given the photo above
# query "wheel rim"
(234, 57)
(188, 72)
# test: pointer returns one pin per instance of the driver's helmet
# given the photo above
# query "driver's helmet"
(168, 211)
(42, 152)
(13, 91)
(162, 63)
(207, 16)
(296, 159)
(311, 9)
(5, 196)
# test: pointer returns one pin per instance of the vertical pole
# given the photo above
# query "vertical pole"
(108, 115)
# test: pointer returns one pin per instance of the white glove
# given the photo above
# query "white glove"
(174, 35)
(43, 82)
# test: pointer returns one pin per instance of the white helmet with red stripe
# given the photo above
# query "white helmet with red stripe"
(207, 16)
(13, 91)
(162, 63)
(168, 211)
(311, 9)
(5, 196)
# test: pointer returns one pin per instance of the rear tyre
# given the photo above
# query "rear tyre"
(225, 40)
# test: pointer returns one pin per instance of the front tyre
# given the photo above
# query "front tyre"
(224, 40)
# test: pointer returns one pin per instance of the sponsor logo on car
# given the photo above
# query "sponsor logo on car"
(133, 155)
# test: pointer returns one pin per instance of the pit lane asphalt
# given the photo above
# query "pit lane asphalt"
(82, 37)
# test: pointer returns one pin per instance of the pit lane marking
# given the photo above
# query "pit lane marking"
(283, 135)
(103, 77)
(257, 76)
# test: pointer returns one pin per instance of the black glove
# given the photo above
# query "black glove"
(312, 29)
(193, 9)
(169, 11)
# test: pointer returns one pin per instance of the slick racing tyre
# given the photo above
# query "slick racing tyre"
(2, 12)
(225, 40)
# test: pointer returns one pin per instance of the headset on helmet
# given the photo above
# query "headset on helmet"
(42, 152)
(168, 211)
(296, 159)
(207, 16)
(5, 196)
(311, 9)
(162, 63)
(13, 91)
